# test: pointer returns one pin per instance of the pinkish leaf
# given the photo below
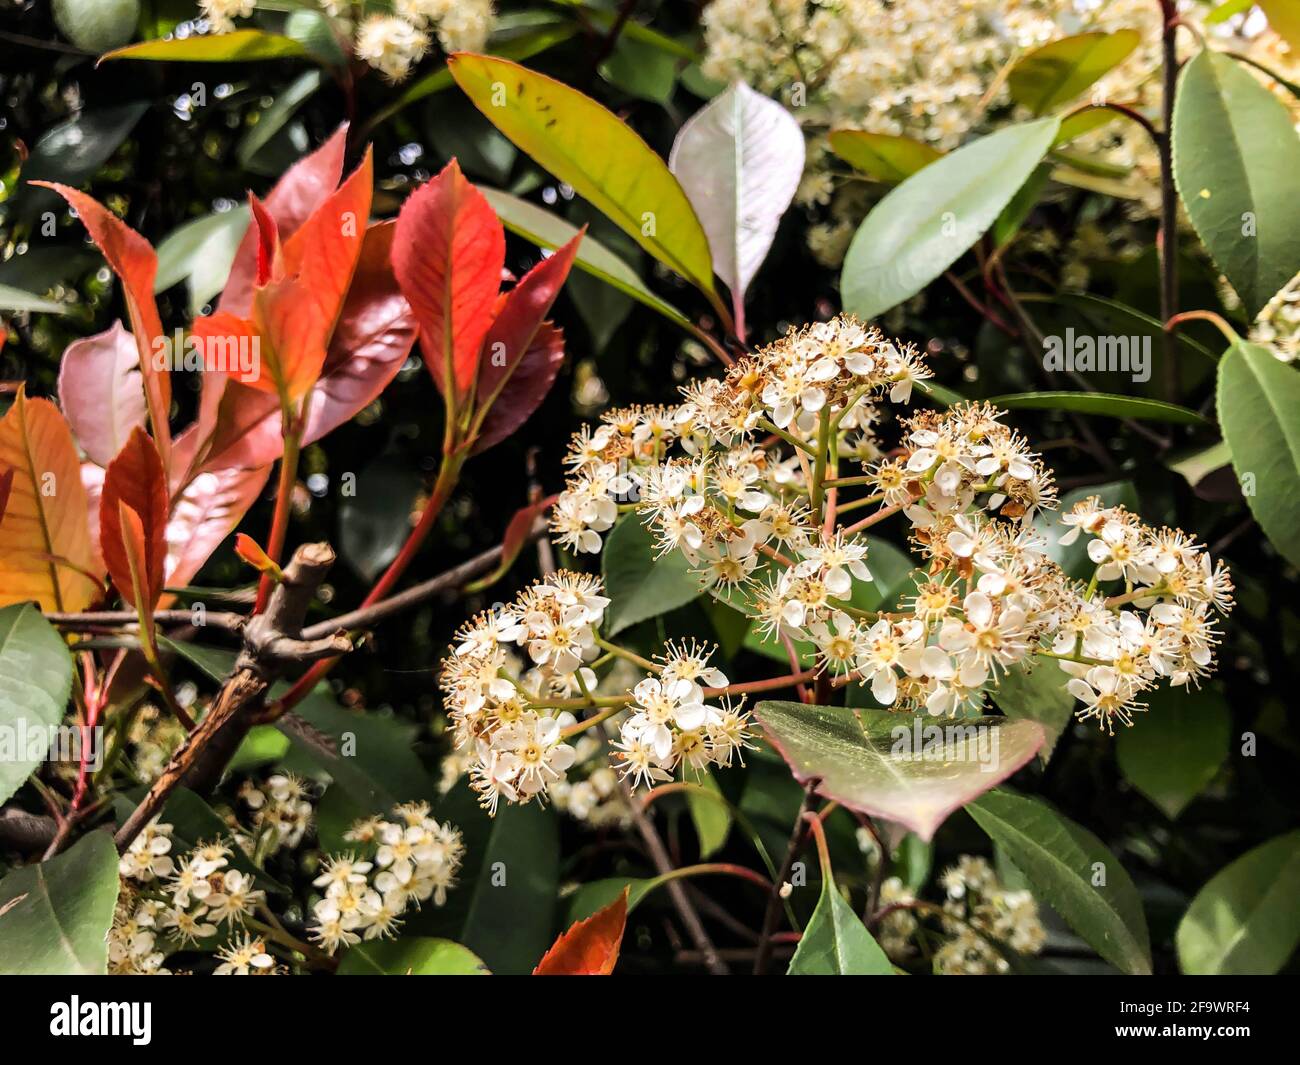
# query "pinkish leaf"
(526, 389)
(204, 514)
(893, 765)
(101, 392)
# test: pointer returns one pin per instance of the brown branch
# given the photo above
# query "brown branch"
(217, 619)
(271, 640)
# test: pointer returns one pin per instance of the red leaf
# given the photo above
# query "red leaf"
(303, 188)
(135, 479)
(372, 340)
(268, 240)
(205, 513)
(527, 387)
(135, 550)
(448, 257)
(133, 259)
(590, 947)
(101, 392)
(521, 315)
(232, 347)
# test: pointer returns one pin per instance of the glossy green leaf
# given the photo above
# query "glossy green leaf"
(96, 25)
(15, 299)
(911, 769)
(1245, 921)
(1176, 747)
(72, 151)
(1056, 73)
(1195, 466)
(55, 915)
(640, 585)
(882, 156)
(1037, 695)
(550, 231)
(923, 226)
(1236, 152)
(836, 942)
(273, 119)
(1259, 412)
(1072, 871)
(239, 46)
(200, 252)
(710, 814)
(596, 153)
(411, 956)
(1102, 403)
(35, 682)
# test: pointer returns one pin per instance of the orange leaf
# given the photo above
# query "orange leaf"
(135, 479)
(295, 311)
(251, 552)
(6, 486)
(590, 947)
(45, 521)
(448, 257)
(133, 259)
(135, 550)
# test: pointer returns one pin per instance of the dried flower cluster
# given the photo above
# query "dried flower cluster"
(391, 43)
(981, 919)
(400, 862)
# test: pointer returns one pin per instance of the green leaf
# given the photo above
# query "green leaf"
(1073, 872)
(922, 226)
(710, 814)
(882, 156)
(597, 894)
(35, 682)
(272, 120)
(596, 153)
(240, 46)
(15, 299)
(1235, 155)
(1176, 747)
(412, 956)
(641, 70)
(1195, 466)
(315, 33)
(55, 915)
(375, 522)
(550, 231)
(836, 942)
(911, 769)
(73, 150)
(1103, 403)
(1056, 73)
(201, 252)
(1245, 921)
(1037, 695)
(639, 585)
(96, 25)
(1259, 412)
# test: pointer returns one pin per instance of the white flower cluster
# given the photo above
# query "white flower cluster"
(391, 43)
(746, 505)
(980, 917)
(507, 720)
(934, 71)
(169, 904)
(402, 862)
(1277, 326)
(670, 724)
(281, 809)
